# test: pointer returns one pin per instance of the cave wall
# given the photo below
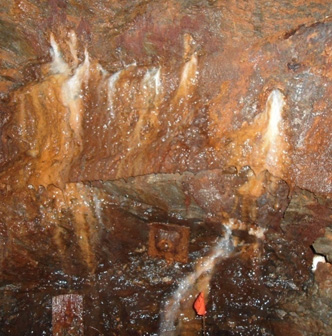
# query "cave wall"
(189, 93)
(117, 114)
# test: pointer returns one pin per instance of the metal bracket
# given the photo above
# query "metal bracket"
(169, 241)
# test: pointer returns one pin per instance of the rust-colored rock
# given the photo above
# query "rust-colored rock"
(67, 315)
(116, 114)
(323, 245)
(323, 277)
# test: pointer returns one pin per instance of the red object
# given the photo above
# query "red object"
(199, 304)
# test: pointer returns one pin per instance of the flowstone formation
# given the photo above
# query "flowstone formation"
(153, 150)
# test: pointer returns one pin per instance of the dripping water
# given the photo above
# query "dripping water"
(111, 91)
(98, 209)
(274, 106)
(188, 76)
(58, 65)
(72, 88)
(222, 249)
(152, 80)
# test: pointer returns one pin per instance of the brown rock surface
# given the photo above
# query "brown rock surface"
(323, 277)
(116, 114)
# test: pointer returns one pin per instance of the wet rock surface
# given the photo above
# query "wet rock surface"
(200, 114)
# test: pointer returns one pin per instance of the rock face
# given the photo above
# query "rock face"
(208, 115)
